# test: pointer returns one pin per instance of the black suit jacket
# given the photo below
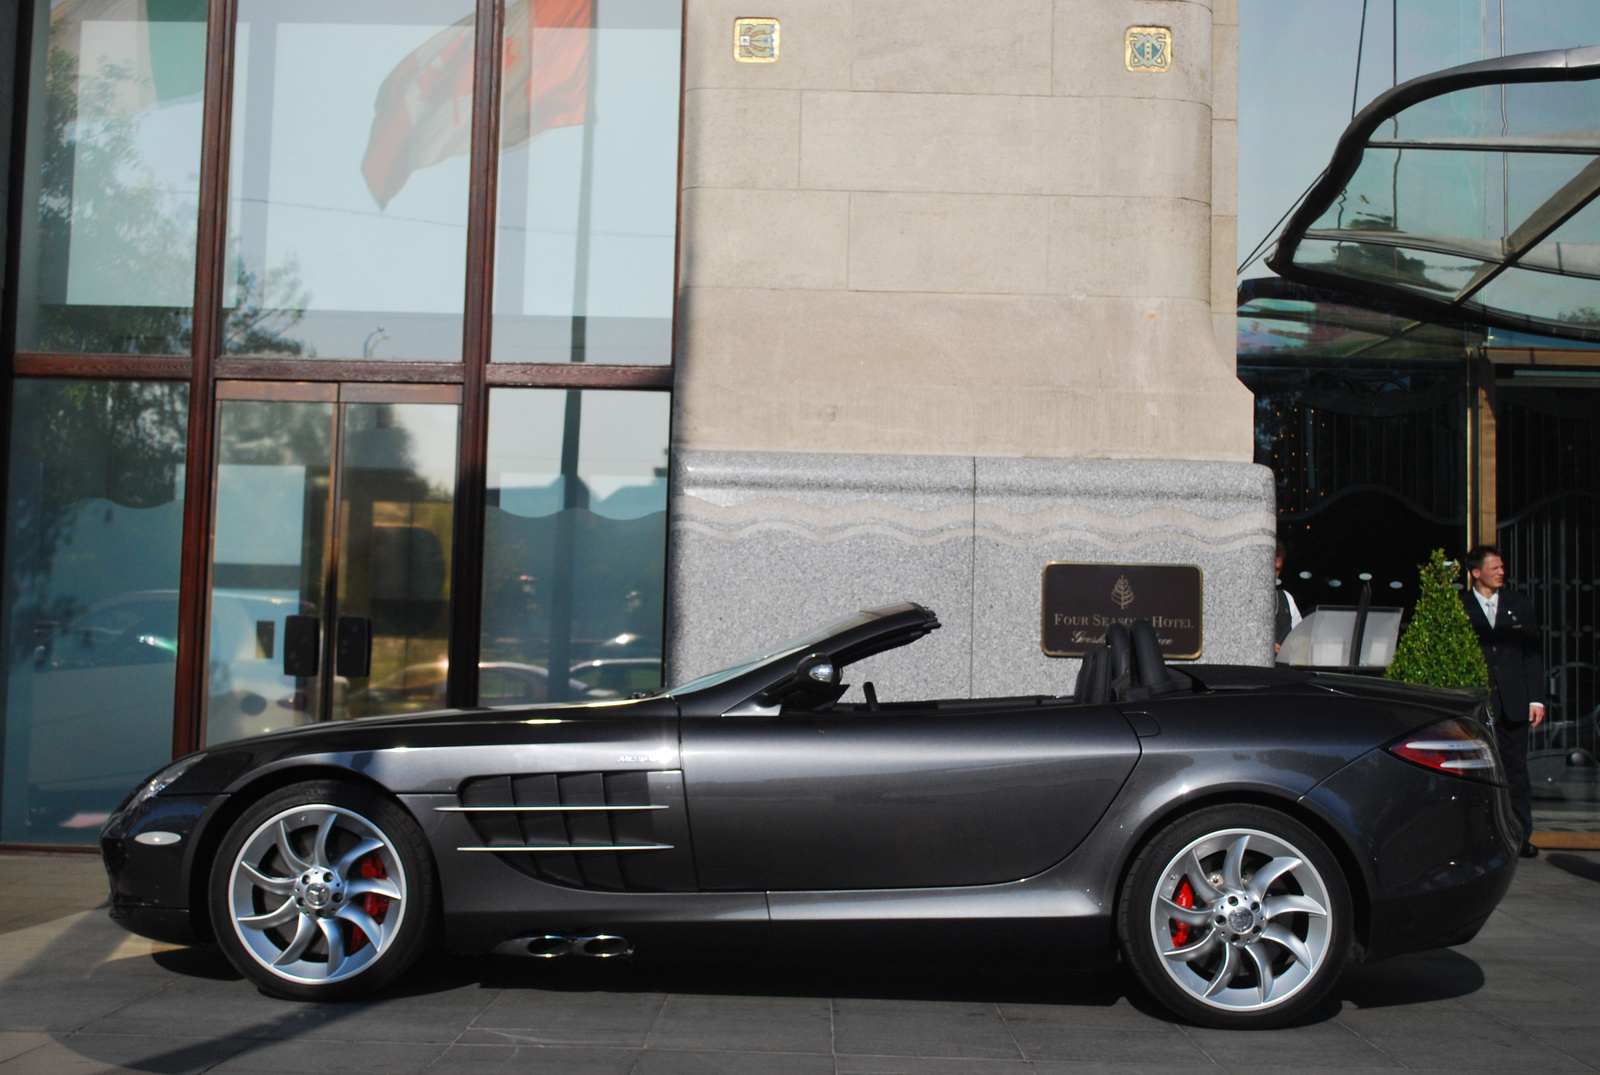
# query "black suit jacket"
(1514, 652)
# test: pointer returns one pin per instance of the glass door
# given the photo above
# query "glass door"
(331, 543)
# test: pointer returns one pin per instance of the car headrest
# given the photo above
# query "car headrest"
(1094, 677)
(1150, 672)
(1121, 644)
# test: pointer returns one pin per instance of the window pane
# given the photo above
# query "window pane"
(268, 562)
(588, 182)
(112, 180)
(94, 529)
(575, 544)
(396, 527)
(347, 209)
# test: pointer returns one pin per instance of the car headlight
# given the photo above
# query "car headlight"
(158, 783)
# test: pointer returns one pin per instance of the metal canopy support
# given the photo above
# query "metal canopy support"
(1556, 210)
(1521, 248)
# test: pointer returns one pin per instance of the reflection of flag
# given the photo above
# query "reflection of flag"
(423, 113)
(138, 53)
(546, 68)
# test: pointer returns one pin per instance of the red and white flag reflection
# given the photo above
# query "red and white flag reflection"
(423, 113)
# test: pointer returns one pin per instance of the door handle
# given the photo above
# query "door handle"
(353, 647)
(302, 644)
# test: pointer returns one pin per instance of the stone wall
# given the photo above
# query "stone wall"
(765, 545)
(956, 301)
(960, 227)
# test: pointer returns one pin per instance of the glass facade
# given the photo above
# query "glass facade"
(338, 356)
(348, 203)
(575, 545)
(90, 613)
(1392, 430)
(110, 197)
(588, 182)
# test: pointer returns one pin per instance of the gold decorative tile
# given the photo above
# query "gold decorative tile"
(1148, 49)
(755, 40)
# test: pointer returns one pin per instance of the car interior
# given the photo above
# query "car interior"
(1127, 667)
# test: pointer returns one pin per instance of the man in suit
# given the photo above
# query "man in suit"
(1288, 616)
(1508, 631)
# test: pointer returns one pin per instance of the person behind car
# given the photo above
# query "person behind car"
(1508, 632)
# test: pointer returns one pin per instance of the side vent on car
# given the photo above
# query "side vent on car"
(617, 832)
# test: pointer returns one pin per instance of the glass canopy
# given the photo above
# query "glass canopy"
(1467, 196)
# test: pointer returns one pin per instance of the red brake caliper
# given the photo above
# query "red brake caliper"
(1184, 897)
(375, 905)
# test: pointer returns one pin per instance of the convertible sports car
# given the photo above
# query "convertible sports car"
(1238, 833)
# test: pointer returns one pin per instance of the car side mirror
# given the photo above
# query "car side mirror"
(814, 674)
(817, 670)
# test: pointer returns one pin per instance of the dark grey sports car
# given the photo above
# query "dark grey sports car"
(1238, 832)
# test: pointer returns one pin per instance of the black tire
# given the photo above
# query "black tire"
(323, 890)
(1273, 956)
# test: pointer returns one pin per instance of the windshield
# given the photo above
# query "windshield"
(792, 646)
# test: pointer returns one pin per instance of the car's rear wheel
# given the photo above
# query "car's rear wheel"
(323, 891)
(1236, 916)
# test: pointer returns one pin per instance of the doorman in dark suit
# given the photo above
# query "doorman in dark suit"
(1508, 631)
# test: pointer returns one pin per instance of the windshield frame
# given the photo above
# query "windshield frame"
(788, 648)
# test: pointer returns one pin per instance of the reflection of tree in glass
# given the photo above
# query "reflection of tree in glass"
(95, 183)
(121, 441)
(267, 433)
(268, 307)
(1383, 262)
(97, 188)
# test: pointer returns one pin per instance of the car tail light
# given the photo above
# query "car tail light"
(1452, 746)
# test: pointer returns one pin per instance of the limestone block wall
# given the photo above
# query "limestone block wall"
(960, 227)
(956, 300)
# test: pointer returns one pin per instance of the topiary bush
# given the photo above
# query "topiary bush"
(1439, 647)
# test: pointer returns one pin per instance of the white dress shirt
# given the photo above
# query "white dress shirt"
(1488, 604)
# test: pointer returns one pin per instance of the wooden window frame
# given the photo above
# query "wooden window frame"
(206, 366)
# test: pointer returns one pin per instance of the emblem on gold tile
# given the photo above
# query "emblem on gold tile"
(755, 40)
(1148, 49)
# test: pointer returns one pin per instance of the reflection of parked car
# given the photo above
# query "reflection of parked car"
(99, 692)
(1239, 832)
(247, 692)
(419, 687)
(618, 677)
(100, 687)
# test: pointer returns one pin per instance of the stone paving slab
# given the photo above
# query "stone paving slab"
(79, 995)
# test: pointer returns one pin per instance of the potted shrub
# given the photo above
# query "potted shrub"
(1439, 647)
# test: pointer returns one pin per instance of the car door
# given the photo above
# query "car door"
(907, 796)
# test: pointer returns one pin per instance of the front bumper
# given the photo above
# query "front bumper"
(1438, 851)
(151, 890)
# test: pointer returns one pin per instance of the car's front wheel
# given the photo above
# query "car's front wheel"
(322, 891)
(1236, 916)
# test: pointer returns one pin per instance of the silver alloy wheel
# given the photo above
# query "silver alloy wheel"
(317, 894)
(1257, 926)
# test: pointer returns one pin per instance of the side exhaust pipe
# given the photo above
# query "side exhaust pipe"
(556, 945)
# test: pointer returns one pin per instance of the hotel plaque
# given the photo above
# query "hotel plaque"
(1082, 600)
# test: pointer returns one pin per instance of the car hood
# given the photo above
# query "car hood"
(225, 763)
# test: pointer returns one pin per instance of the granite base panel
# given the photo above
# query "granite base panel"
(766, 545)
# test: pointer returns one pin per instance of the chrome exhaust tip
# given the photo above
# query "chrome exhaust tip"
(604, 946)
(556, 945)
(547, 946)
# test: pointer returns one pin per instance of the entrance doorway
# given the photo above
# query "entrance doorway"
(329, 593)
(1547, 506)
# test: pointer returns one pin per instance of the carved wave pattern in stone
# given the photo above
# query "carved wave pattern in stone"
(985, 522)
